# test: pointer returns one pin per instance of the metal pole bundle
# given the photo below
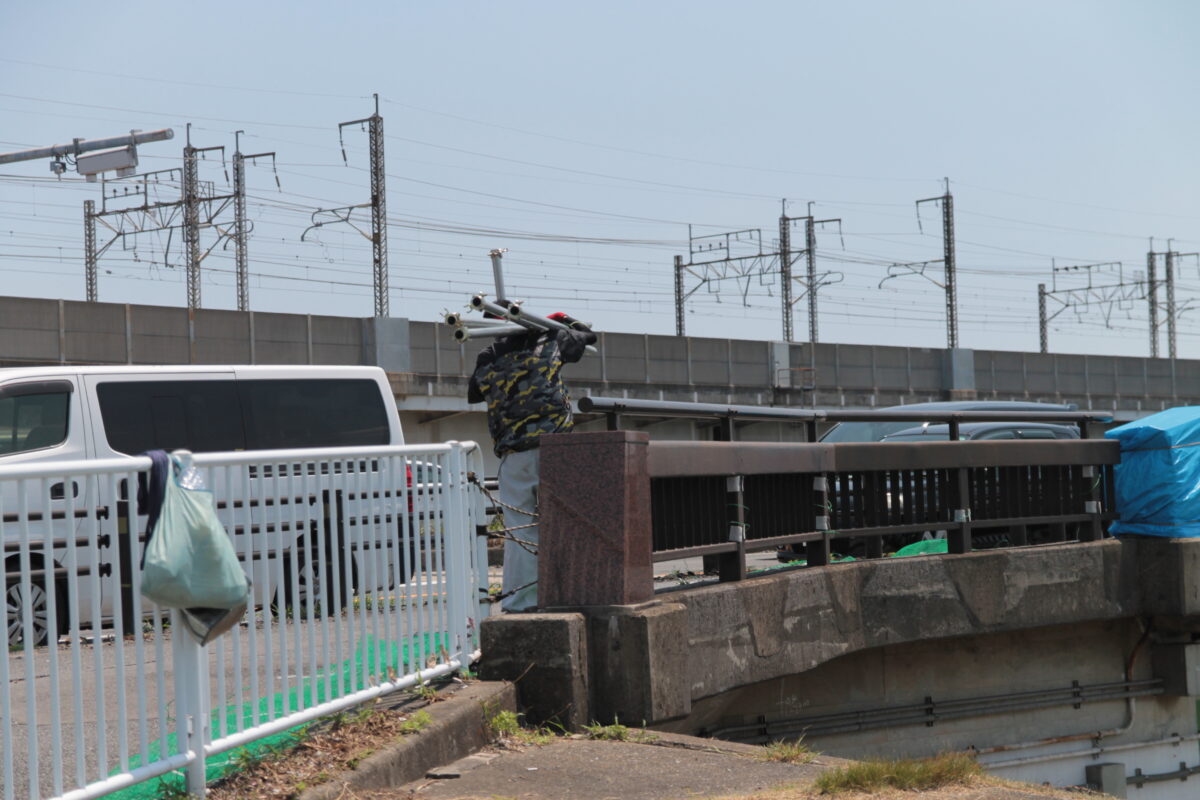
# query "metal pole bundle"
(510, 318)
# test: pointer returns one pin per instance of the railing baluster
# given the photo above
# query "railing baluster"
(817, 552)
(732, 566)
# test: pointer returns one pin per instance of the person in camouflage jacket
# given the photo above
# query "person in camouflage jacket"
(520, 378)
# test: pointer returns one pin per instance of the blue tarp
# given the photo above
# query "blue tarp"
(1158, 479)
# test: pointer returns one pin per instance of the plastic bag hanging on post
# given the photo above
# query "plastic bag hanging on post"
(189, 562)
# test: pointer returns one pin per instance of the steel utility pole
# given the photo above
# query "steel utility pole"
(241, 256)
(679, 296)
(810, 255)
(1174, 310)
(191, 200)
(815, 282)
(950, 285)
(812, 282)
(785, 269)
(1169, 258)
(378, 205)
(191, 221)
(1152, 297)
(240, 226)
(198, 206)
(89, 248)
(1108, 297)
(712, 261)
(1043, 337)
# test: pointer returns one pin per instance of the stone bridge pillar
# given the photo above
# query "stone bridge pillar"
(594, 545)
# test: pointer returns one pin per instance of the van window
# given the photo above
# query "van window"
(201, 416)
(313, 413)
(33, 421)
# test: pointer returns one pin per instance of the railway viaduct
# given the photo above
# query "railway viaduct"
(429, 369)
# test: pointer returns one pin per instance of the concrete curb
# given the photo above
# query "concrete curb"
(459, 729)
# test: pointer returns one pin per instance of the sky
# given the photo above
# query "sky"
(590, 139)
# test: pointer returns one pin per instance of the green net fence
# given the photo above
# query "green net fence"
(360, 670)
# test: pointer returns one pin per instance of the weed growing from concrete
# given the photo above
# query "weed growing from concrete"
(911, 775)
(416, 723)
(535, 736)
(618, 733)
(794, 752)
(504, 724)
(507, 725)
(358, 758)
(424, 691)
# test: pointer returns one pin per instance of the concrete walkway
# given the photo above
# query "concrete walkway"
(582, 769)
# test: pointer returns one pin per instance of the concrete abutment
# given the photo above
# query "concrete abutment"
(880, 633)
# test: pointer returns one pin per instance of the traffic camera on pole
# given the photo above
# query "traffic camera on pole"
(113, 154)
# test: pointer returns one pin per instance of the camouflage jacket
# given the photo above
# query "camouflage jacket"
(520, 378)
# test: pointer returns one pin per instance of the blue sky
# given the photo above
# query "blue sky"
(586, 137)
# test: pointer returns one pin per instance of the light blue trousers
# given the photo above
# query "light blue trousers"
(518, 490)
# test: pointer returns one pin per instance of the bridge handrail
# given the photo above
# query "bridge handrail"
(680, 459)
(615, 502)
(615, 407)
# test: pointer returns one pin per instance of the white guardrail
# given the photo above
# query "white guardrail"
(368, 577)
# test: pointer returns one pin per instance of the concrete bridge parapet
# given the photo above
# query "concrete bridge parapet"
(648, 662)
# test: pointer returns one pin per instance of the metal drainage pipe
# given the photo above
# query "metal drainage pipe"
(1091, 751)
(931, 712)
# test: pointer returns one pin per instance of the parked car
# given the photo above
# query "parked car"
(982, 431)
(876, 431)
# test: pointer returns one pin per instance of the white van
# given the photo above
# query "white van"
(65, 414)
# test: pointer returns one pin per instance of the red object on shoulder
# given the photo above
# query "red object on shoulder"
(559, 316)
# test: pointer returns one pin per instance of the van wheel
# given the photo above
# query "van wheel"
(322, 574)
(15, 601)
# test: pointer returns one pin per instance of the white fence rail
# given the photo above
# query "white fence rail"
(368, 576)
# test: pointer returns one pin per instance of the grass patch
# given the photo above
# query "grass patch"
(910, 775)
(507, 725)
(617, 733)
(504, 724)
(794, 752)
(415, 723)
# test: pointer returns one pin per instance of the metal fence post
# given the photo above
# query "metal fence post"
(457, 538)
(479, 517)
(193, 718)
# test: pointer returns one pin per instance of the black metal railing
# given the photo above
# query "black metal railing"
(727, 499)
